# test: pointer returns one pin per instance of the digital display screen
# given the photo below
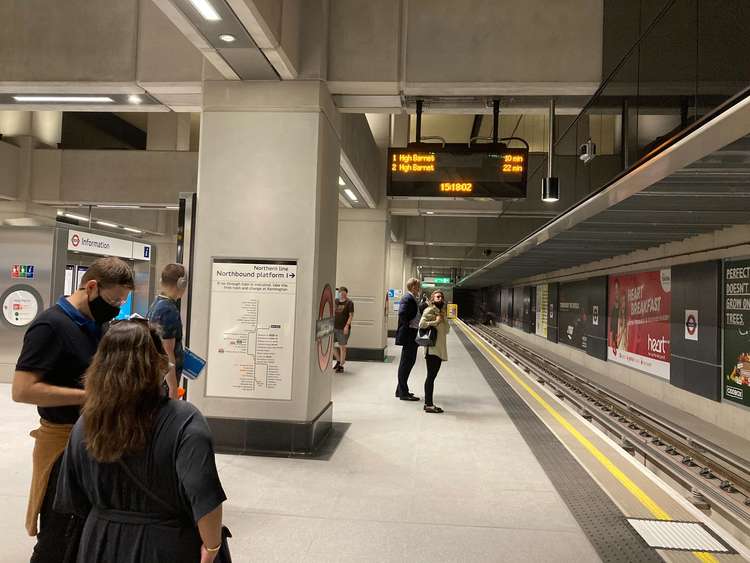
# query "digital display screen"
(457, 170)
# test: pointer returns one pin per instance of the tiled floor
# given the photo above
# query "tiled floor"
(402, 486)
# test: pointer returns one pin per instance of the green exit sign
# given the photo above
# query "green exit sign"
(442, 280)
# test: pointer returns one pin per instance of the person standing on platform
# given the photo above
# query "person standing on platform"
(164, 316)
(434, 316)
(139, 467)
(57, 350)
(342, 327)
(406, 335)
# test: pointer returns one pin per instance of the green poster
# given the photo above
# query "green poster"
(736, 378)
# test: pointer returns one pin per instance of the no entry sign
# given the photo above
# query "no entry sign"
(691, 324)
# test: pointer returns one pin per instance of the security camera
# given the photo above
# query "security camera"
(587, 151)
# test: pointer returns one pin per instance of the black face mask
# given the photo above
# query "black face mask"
(102, 311)
(439, 304)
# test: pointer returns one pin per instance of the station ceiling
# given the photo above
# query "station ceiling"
(708, 195)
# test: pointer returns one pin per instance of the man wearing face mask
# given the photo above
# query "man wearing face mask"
(57, 350)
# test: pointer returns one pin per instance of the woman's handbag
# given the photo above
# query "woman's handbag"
(224, 556)
(427, 336)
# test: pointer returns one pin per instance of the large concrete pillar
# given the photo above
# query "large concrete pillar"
(396, 281)
(267, 191)
(361, 267)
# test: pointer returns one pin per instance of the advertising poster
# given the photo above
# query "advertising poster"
(251, 329)
(542, 304)
(639, 331)
(573, 316)
(736, 380)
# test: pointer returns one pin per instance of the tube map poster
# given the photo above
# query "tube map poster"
(639, 307)
(736, 380)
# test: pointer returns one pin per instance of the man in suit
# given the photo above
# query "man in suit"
(406, 335)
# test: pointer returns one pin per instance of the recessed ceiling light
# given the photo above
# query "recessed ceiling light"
(59, 212)
(76, 217)
(350, 194)
(133, 99)
(206, 10)
(105, 224)
(429, 213)
(132, 230)
(227, 38)
(341, 181)
(66, 99)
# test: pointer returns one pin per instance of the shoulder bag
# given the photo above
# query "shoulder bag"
(427, 336)
(224, 556)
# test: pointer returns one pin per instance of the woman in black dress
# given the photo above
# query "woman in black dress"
(139, 467)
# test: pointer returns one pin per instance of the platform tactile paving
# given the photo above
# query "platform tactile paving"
(608, 530)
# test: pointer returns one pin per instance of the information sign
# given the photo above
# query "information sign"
(251, 329)
(542, 304)
(457, 170)
(20, 306)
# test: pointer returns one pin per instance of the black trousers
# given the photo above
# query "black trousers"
(433, 367)
(408, 359)
(57, 540)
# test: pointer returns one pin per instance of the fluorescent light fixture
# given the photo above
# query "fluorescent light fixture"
(59, 212)
(76, 217)
(132, 230)
(429, 213)
(68, 99)
(172, 207)
(206, 10)
(133, 99)
(350, 194)
(227, 38)
(118, 206)
(341, 181)
(105, 224)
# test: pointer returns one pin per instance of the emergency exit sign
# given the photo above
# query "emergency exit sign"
(22, 271)
(434, 280)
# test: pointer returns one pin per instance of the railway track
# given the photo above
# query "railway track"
(717, 479)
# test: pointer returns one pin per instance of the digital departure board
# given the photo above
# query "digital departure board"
(457, 170)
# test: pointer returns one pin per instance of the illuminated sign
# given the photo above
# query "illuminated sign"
(457, 170)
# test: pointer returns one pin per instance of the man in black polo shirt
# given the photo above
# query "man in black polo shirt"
(57, 350)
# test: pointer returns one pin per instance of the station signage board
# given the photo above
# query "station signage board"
(457, 170)
(437, 280)
(100, 245)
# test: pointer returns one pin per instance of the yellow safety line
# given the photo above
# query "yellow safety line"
(625, 481)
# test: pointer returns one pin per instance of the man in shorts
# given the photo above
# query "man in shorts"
(342, 327)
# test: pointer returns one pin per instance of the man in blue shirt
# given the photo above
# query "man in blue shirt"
(164, 316)
(57, 350)
(406, 337)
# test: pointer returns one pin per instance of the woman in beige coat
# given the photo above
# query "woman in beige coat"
(435, 316)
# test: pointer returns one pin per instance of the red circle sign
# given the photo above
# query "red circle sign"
(76, 240)
(325, 343)
(691, 324)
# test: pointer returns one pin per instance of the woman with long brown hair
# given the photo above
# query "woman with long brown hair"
(139, 467)
(435, 316)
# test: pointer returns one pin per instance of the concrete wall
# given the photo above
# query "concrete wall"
(361, 267)
(9, 155)
(113, 176)
(474, 41)
(396, 275)
(75, 40)
(358, 145)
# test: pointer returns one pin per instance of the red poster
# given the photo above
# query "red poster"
(638, 332)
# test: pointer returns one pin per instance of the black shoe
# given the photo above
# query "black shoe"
(409, 398)
(339, 369)
(337, 366)
(399, 396)
(432, 409)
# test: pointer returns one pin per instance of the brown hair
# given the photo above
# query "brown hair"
(173, 275)
(434, 293)
(123, 389)
(343, 288)
(109, 272)
(412, 283)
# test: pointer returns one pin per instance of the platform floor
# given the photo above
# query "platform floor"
(402, 485)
